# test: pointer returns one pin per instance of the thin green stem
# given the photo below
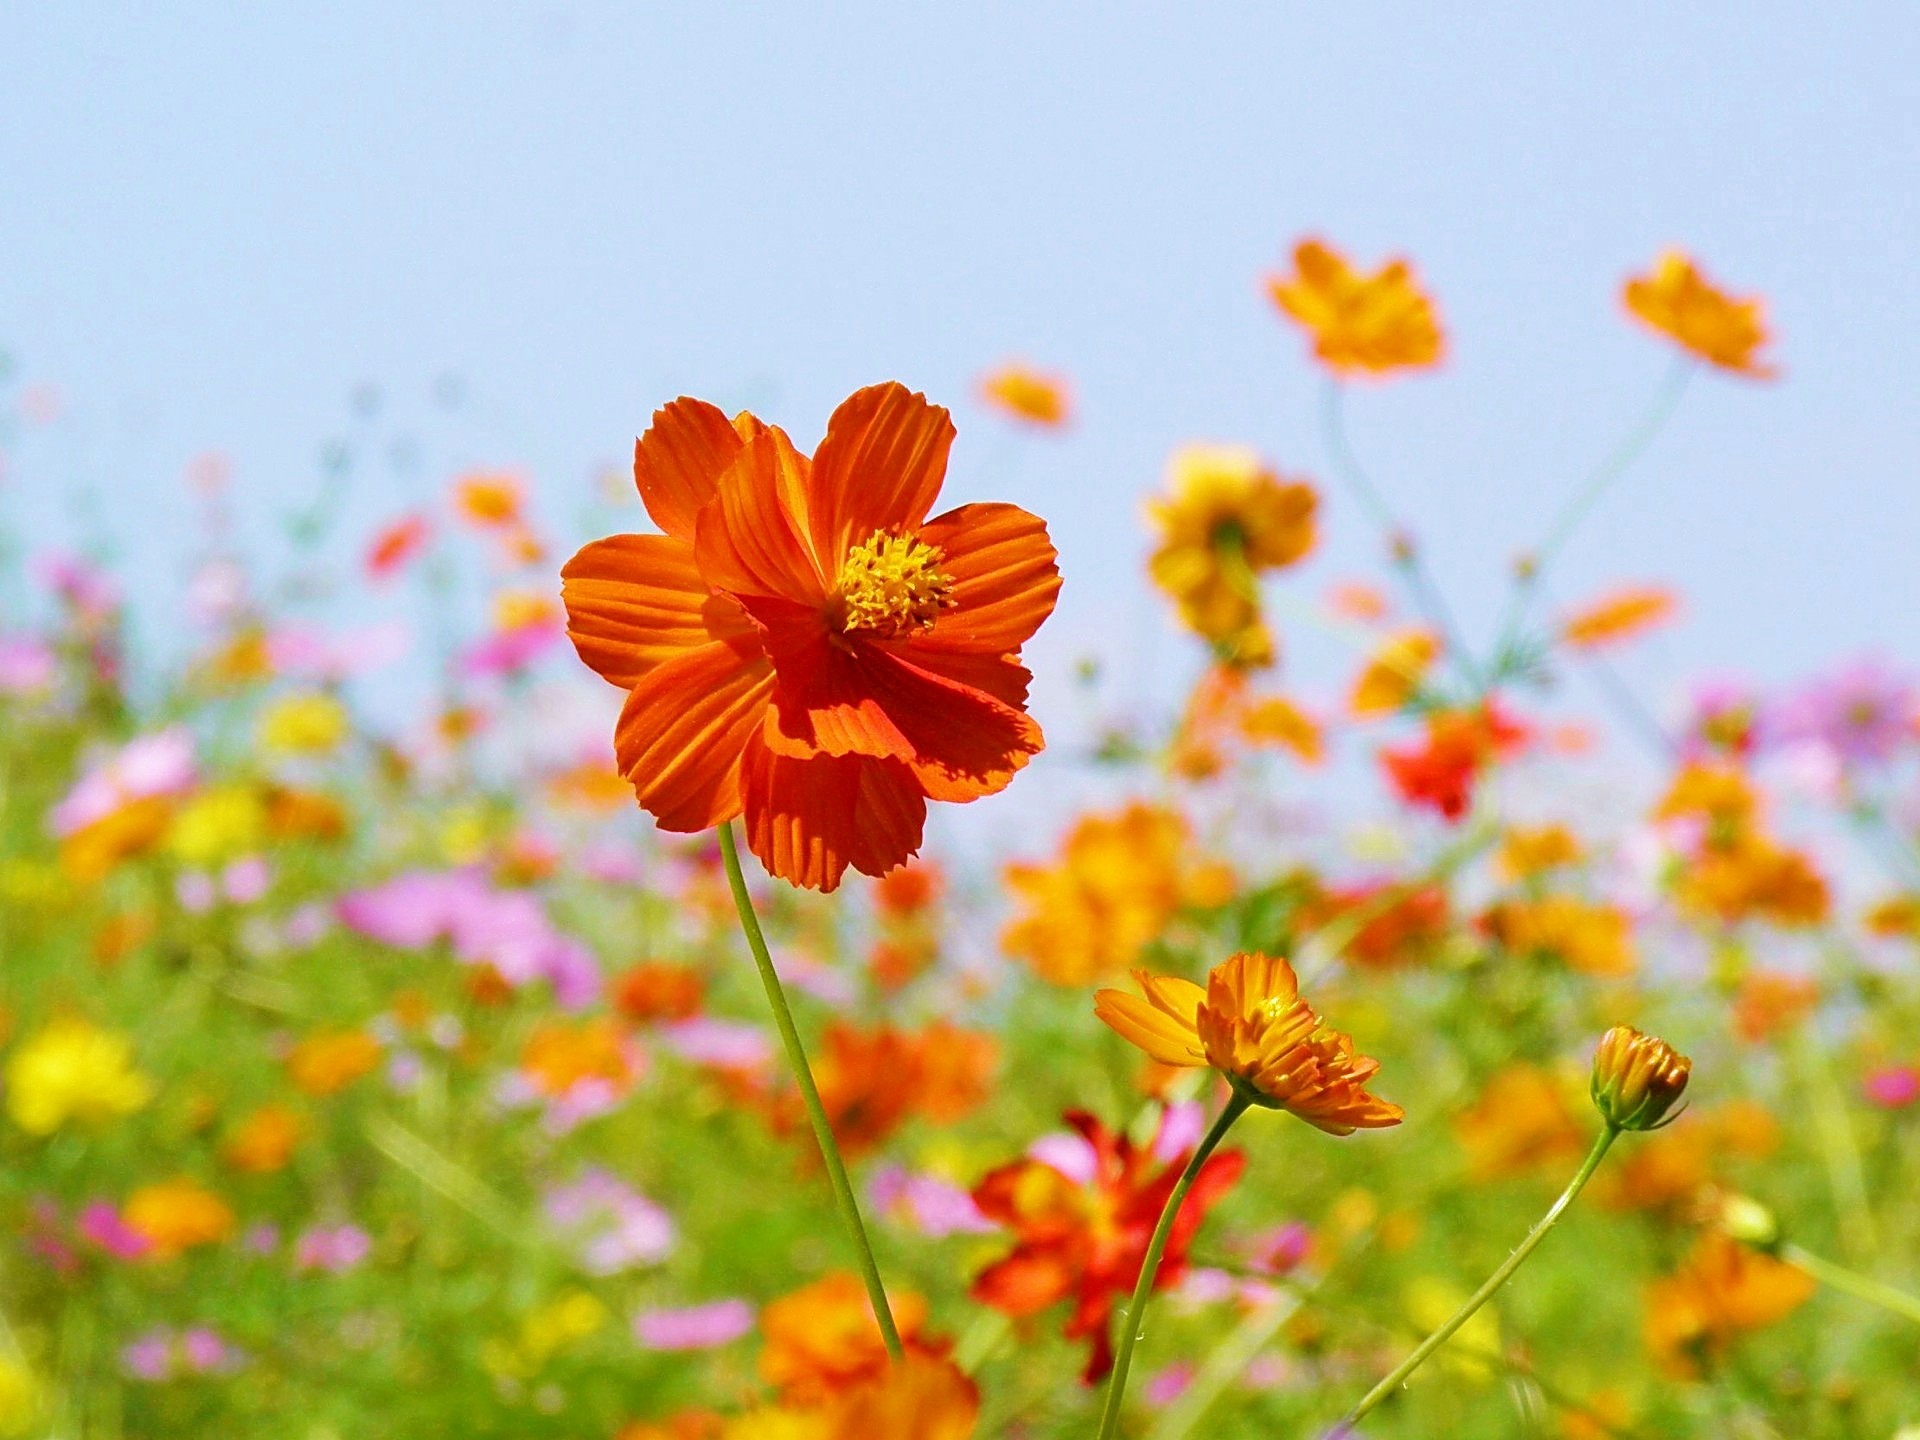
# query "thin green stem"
(1150, 1265)
(809, 1092)
(1851, 1282)
(1493, 1282)
(1839, 1147)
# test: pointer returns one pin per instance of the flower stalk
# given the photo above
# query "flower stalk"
(809, 1092)
(1237, 1105)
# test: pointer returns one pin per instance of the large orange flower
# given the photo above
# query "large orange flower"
(803, 646)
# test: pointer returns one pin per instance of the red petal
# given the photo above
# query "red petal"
(1024, 1283)
(808, 819)
(879, 467)
(682, 731)
(677, 462)
(751, 539)
(1005, 579)
(636, 600)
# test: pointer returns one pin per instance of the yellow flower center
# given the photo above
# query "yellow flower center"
(891, 583)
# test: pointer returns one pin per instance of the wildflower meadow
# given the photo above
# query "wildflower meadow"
(612, 1030)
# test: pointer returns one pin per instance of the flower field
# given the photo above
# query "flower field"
(1375, 1054)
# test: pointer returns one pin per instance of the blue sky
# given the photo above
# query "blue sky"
(216, 222)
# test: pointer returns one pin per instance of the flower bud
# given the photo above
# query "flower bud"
(1749, 1222)
(1637, 1079)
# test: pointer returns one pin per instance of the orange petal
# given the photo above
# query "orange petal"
(1175, 996)
(809, 819)
(1026, 1282)
(750, 541)
(636, 600)
(682, 731)
(1152, 1029)
(1004, 577)
(879, 467)
(677, 462)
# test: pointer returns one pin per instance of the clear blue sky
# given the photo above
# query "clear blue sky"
(215, 221)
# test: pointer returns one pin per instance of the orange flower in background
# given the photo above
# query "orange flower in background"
(1895, 918)
(873, 1081)
(1615, 618)
(1082, 1236)
(1398, 924)
(1118, 882)
(173, 1216)
(1357, 600)
(1583, 935)
(1721, 1291)
(1768, 1003)
(1277, 721)
(265, 1140)
(910, 891)
(803, 646)
(1679, 302)
(1360, 324)
(655, 990)
(1527, 853)
(394, 545)
(1526, 1120)
(1026, 394)
(1394, 674)
(922, 1398)
(490, 501)
(1226, 520)
(561, 1054)
(1251, 1025)
(822, 1338)
(332, 1060)
(1440, 773)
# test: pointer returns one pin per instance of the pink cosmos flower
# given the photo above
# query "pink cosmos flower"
(697, 1327)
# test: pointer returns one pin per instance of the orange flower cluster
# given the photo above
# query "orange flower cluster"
(1584, 935)
(1251, 1025)
(1720, 1291)
(1675, 299)
(1082, 1229)
(1730, 869)
(1359, 323)
(803, 646)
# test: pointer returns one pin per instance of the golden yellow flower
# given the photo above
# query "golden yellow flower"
(1526, 852)
(218, 825)
(306, 723)
(1637, 1079)
(1251, 1025)
(70, 1070)
(1027, 394)
(1679, 302)
(1368, 324)
(1226, 520)
(1618, 616)
(1394, 673)
(1584, 935)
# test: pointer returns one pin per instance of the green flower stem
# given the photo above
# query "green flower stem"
(809, 1092)
(1485, 1293)
(1849, 1282)
(1150, 1266)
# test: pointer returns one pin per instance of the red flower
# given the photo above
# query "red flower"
(1083, 1226)
(1440, 773)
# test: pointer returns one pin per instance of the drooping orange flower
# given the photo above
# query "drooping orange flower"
(1251, 1025)
(1082, 1218)
(177, 1215)
(1440, 773)
(1360, 324)
(803, 646)
(1721, 1290)
(1026, 394)
(1226, 520)
(822, 1338)
(1675, 299)
(1618, 617)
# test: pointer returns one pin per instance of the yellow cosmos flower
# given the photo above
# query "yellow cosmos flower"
(1366, 324)
(1678, 301)
(1226, 520)
(73, 1070)
(1251, 1025)
(217, 825)
(308, 723)
(1394, 673)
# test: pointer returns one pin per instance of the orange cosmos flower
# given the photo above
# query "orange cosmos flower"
(1769, 1002)
(803, 646)
(332, 1060)
(394, 545)
(1083, 1217)
(1526, 1120)
(177, 1215)
(491, 501)
(1251, 1025)
(1679, 302)
(265, 1140)
(1360, 324)
(655, 990)
(822, 1339)
(1276, 720)
(921, 1398)
(1399, 924)
(1584, 935)
(1527, 853)
(1721, 1290)
(1026, 394)
(1394, 673)
(1618, 617)
(873, 1081)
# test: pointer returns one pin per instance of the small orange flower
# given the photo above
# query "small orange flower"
(1394, 673)
(1768, 1003)
(1251, 1025)
(177, 1215)
(1360, 324)
(561, 1054)
(332, 1060)
(909, 891)
(803, 646)
(873, 1081)
(1027, 394)
(1618, 617)
(823, 1338)
(264, 1141)
(491, 501)
(1637, 1079)
(1583, 935)
(1527, 853)
(1398, 924)
(1679, 302)
(654, 990)
(394, 545)
(921, 1398)
(1276, 720)
(1525, 1121)
(1721, 1290)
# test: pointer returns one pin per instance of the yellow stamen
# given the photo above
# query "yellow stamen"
(892, 583)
